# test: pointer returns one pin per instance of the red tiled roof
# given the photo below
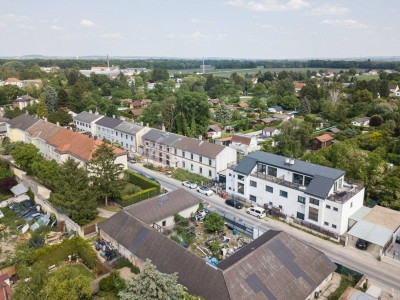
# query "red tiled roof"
(135, 112)
(243, 105)
(77, 144)
(136, 103)
(324, 138)
(299, 85)
(12, 79)
(241, 139)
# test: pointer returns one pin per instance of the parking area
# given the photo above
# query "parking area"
(372, 249)
(393, 252)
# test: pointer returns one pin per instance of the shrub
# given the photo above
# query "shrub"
(214, 222)
(112, 283)
(124, 262)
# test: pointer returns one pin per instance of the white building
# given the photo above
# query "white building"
(86, 122)
(105, 128)
(191, 154)
(361, 122)
(244, 143)
(129, 135)
(309, 193)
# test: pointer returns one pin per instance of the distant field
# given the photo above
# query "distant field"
(367, 77)
(228, 72)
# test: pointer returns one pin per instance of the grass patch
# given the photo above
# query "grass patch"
(97, 220)
(130, 188)
(83, 271)
(183, 175)
(111, 207)
(5, 196)
(367, 77)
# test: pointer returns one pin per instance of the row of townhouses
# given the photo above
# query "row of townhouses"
(55, 142)
(159, 146)
(316, 195)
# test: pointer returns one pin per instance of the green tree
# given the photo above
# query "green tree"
(214, 222)
(30, 289)
(42, 109)
(159, 75)
(150, 284)
(60, 116)
(151, 115)
(223, 114)
(67, 283)
(106, 175)
(168, 112)
(25, 156)
(74, 194)
(305, 107)
(63, 100)
(50, 98)
(293, 139)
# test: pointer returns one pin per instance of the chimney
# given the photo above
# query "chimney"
(200, 137)
(58, 124)
(141, 123)
(113, 116)
(45, 119)
(292, 161)
(26, 112)
(147, 124)
(163, 127)
(96, 112)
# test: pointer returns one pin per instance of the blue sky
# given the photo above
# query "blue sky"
(264, 29)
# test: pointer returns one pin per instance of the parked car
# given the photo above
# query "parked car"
(233, 203)
(258, 212)
(189, 184)
(205, 190)
(15, 207)
(362, 244)
(27, 204)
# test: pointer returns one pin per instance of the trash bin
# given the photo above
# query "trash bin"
(234, 231)
(224, 195)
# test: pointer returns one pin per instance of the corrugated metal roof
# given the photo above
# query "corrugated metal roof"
(108, 122)
(87, 117)
(320, 186)
(372, 233)
(360, 214)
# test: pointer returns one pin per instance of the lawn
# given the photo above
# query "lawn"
(111, 207)
(367, 77)
(83, 271)
(5, 196)
(183, 175)
(97, 220)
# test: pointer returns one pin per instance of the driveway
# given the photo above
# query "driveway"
(351, 258)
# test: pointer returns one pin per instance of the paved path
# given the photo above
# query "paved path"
(352, 258)
(105, 213)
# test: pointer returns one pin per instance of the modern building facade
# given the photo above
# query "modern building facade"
(306, 192)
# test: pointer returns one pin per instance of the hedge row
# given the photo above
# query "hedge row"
(141, 181)
(139, 196)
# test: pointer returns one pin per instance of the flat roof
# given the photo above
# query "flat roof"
(384, 217)
(361, 213)
(372, 233)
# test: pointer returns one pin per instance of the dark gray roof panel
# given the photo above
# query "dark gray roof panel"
(320, 186)
(86, 117)
(299, 166)
(246, 165)
(129, 127)
(109, 122)
(23, 122)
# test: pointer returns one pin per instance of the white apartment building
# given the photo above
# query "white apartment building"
(129, 135)
(191, 154)
(314, 194)
(105, 128)
(86, 122)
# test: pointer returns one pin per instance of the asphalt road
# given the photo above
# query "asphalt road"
(382, 272)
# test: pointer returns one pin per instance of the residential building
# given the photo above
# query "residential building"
(136, 112)
(283, 117)
(24, 101)
(275, 109)
(3, 127)
(129, 135)
(298, 86)
(244, 143)
(242, 105)
(214, 102)
(393, 88)
(13, 81)
(308, 193)
(16, 127)
(224, 141)
(270, 131)
(86, 122)
(213, 132)
(105, 128)
(197, 156)
(274, 266)
(322, 141)
(361, 122)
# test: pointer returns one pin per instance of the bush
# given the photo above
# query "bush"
(112, 283)
(183, 175)
(214, 222)
(124, 262)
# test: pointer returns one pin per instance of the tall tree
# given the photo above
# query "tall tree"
(50, 98)
(60, 116)
(223, 114)
(42, 110)
(106, 175)
(62, 96)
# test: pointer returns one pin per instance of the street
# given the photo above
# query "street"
(357, 260)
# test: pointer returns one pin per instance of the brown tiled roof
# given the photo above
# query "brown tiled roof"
(324, 138)
(43, 130)
(136, 103)
(299, 85)
(136, 112)
(243, 105)
(215, 128)
(241, 139)
(12, 79)
(76, 144)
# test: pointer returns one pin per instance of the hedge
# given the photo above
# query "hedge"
(137, 197)
(141, 181)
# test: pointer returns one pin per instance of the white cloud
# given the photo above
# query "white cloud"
(16, 17)
(56, 28)
(328, 10)
(24, 26)
(86, 23)
(348, 23)
(111, 35)
(266, 26)
(197, 35)
(269, 5)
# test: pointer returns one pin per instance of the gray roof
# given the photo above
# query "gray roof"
(320, 186)
(163, 206)
(162, 137)
(372, 233)
(129, 127)
(24, 98)
(249, 162)
(19, 189)
(361, 213)
(43, 130)
(277, 108)
(108, 122)
(87, 117)
(23, 122)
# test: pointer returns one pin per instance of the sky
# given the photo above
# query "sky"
(255, 29)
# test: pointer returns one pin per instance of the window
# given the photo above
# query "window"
(335, 209)
(200, 159)
(191, 156)
(164, 223)
(201, 170)
(183, 153)
(230, 174)
(126, 136)
(326, 223)
(328, 206)
(131, 138)
(261, 168)
(270, 203)
(191, 167)
(351, 204)
(314, 201)
(301, 199)
(283, 194)
(333, 226)
(253, 198)
(209, 162)
(272, 171)
(253, 183)
(300, 216)
(297, 178)
(307, 180)
(280, 206)
(183, 164)
(269, 189)
(313, 214)
(209, 173)
(240, 177)
(240, 188)
(116, 133)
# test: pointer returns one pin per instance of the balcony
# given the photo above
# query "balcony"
(343, 196)
(279, 181)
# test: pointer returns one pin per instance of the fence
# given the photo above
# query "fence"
(316, 228)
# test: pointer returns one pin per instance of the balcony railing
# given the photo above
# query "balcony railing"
(279, 181)
(343, 197)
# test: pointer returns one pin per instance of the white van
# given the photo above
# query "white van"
(256, 211)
